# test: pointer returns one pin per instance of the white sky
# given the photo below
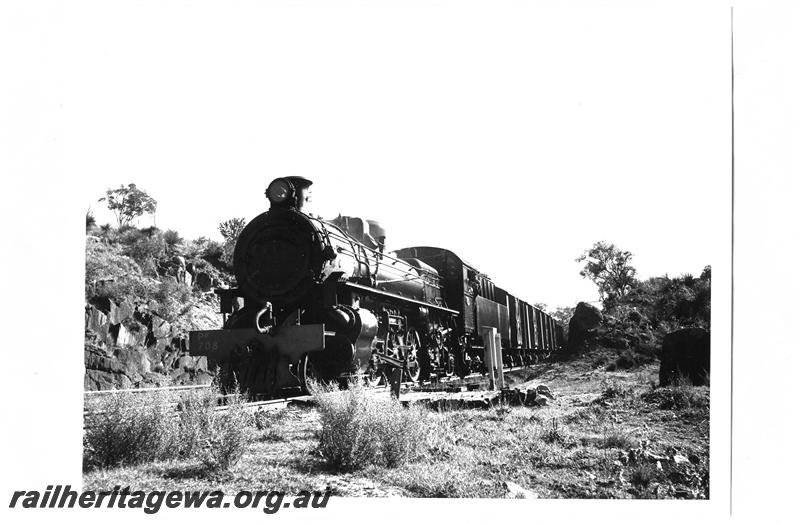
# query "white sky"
(516, 136)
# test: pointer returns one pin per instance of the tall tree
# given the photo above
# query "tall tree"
(609, 267)
(128, 203)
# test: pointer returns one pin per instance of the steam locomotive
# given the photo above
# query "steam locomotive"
(323, 300)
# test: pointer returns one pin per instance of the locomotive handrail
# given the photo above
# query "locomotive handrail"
(352, 239)
(404, 279)
(399, 297)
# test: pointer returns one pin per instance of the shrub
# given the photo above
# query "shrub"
(681, 396)
(225, 436)
(130, 428)
(172, 297)
(195, 411)
(91, 222)
(359, 429)
(617, 438)
(126, 428)
(554, 435)
(172, 240)
(267, 423)
(643, 474)
(205, 248)
(613, 390)
(145, 250)
(626, 360)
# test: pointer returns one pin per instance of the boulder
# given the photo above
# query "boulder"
(582, 325)
(515, 491)
(133, 362)
(530, 397)
(120, 312)
(680, 459)
(186, 363)
(102, 363)
(203, 379)
(155, 379)
(543, 390)
(161, 328)
(686, 352)
(203, 280)
(102, 380)
(96, 319)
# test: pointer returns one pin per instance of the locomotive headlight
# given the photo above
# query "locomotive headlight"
(279, 191)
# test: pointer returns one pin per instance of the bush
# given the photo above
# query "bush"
(554, 435)
(205, 248)
(172, 240)
(643, 474)
(681, 396)
(225, 436)
(359, 429)
(268, 425)
(145, 250)
(617, 438)
(131, 428)
(612, 390)
(626, 360)
(172, 297)
(195, 411)
(127, 428)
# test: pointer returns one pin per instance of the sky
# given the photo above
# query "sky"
(516, 136)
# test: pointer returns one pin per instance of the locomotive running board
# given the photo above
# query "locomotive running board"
(368, 289)
(292, 341)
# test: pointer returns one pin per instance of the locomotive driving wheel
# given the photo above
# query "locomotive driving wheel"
(413, 367)
(307, 374)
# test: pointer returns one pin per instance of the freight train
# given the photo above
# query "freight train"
(324, 300)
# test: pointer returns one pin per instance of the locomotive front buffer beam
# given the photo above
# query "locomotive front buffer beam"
(226, 345)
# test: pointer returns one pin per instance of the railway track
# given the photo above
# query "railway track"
(280, 403)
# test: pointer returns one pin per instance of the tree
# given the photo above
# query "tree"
(172, 239)
(563, 314)
(231, 228)
(128, 203)
(610, 269)
(230, 231)
(91, 223)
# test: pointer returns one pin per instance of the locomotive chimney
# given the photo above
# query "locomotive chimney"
(291, 192)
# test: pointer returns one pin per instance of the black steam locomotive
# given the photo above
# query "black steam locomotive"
(321, 300)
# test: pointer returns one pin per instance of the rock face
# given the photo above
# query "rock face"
(686, 352)
(583, 325)
(128, 346)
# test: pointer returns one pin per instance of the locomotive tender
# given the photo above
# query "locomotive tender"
(322, 300)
